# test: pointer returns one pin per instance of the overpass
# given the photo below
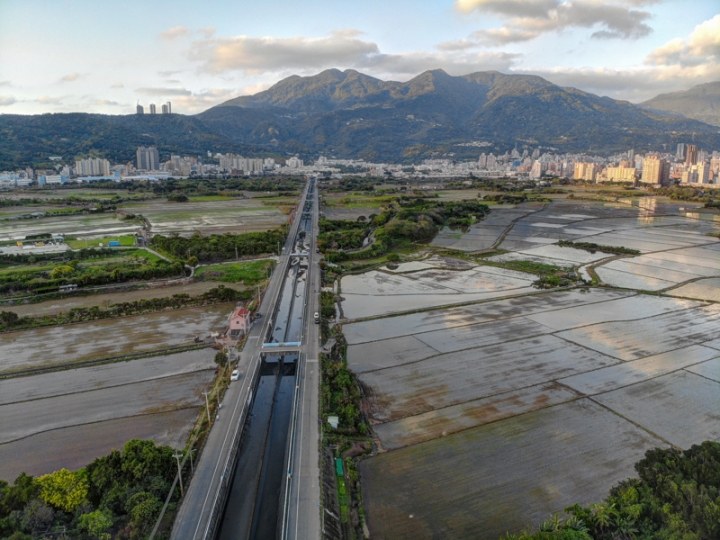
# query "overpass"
(203, 505)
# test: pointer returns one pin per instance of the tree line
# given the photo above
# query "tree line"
(220, 247)
(118, 496)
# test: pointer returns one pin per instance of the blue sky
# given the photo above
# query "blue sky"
(100, 56)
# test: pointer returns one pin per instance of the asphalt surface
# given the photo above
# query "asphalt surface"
(195, 515)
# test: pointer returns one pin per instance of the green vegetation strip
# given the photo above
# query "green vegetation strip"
(247, 272)
(125, 241)
(592, 248)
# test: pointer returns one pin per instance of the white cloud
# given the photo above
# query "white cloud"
(70, 77)
(207, 32)
(341, 49)
(258, 55)
(6, 101)
(159, 91)
(528, 19)
(5, 83)
(252, 89)
(118, 85)
(700, 48)
(203, 100)
(175, 32)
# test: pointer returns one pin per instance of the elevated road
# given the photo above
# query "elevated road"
(202, 506)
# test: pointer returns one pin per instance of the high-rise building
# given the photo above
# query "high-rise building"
(621, 173)
(656, 171)
(691, 154)
(139, 109)
(585, 171)
(167, 108)
(148, 159)
(152, 109)
(537, 170)
(680, 155)
(92, 167)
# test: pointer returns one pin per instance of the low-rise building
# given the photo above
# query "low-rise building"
(238, 323)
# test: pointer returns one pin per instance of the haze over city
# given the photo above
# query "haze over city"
(104, 57)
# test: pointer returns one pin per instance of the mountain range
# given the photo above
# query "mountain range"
(347, 114)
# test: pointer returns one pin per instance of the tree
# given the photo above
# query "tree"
(96, 524)
(221, 359)
(9, 318)
(64, 489)
(361, 219)
(393, 257)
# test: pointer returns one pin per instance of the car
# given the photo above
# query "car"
(235, 375)
(317, 318)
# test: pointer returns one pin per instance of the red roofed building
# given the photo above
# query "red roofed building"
(239, 322)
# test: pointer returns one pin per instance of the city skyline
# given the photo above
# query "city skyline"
(200, 55)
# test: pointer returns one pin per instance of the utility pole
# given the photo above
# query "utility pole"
(177, 457)
(236, 254)
(207, 405)
(278, 248)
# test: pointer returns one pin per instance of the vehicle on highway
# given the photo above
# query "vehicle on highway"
(317, 317)
(235, 375)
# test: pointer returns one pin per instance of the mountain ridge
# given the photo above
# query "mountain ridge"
(701, 102)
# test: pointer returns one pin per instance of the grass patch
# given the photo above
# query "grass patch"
(533, 267)
(125, 241)
(248, 272)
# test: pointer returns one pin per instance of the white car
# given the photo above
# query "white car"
(235, 375)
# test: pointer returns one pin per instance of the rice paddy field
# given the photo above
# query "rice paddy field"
(211, 217)
(108, 338)
(68, 418)
(494, 404)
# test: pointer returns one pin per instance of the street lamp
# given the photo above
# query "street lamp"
(207, 405)
(177, 457)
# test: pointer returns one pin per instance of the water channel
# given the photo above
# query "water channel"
(254, 505)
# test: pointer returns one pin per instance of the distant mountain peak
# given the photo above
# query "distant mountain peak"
(701, 102)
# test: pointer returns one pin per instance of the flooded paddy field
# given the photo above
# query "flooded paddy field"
(51, 307)
(157, 398)
(486, 233)
(504, 476)
(74, 447)
(705, 289)
(210, 217)
(78, 225)
(512, 409)
(109, 337)
(380, 293)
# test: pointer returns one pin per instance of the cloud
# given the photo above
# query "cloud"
(203, 100)
(258, 55)
(106, 103)
(70, 77)
(175, 32)
(169, 73)
(6, 101)
(158, 91)
(48, 100)
(207, 32)
(252, 89)
(700, 48)
(528, 19)
(5, 83)
(341, 49)
(118, 85)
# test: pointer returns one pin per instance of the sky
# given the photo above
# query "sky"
(104, 57)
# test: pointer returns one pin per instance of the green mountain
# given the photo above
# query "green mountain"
(346, 113)
(351, 115)
(700, 102)
(28, 140)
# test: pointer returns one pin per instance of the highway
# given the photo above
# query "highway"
(202, 510)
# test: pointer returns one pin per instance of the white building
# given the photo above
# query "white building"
(92, 167)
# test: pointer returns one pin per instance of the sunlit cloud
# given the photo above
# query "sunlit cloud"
(207, 32)
(48, 100)
(159, 91)
(528, 19)
(6, 101)
(175, 32)
(118, 85)
(70, 77)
